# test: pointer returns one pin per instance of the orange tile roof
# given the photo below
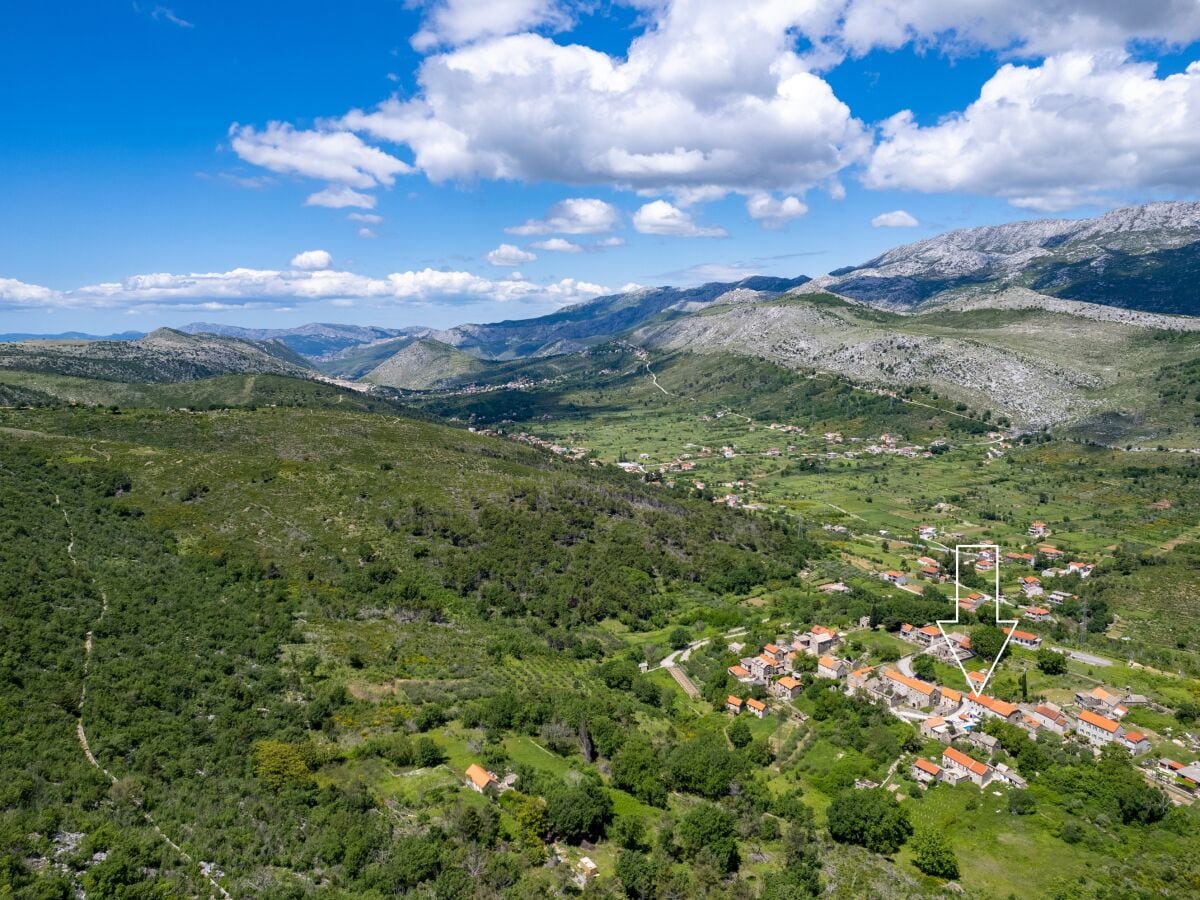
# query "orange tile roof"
(926, 766)
(1099, 721)
(1134, 736)
(479, 776)
(1031, 579)
(952, 695)
(922, 687)
(1021, 635)
(965, 761)
(739, 671)
(821, 629)
(1038, 611)
(930, 630)
(762, 657)
(978, 677)
(863, 671)
(756, 704)
(828, 662)
(733, 701)
(999, 707)
(934, 721)
(787, 681)
(770, 648)
(906, 628)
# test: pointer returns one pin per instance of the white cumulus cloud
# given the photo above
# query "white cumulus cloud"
(576, 215)
(772, 212)
(660, 217)
(337, 156)
(1054, 135)
(709, 97)
(271, 289)
(312, 259)
(897, 218)
(368, 218)
(462, 21)
(340, 197)
(509, 255)
(557, 245)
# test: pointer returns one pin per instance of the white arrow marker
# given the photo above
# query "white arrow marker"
(942, 623)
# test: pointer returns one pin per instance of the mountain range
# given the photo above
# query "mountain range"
(1048, 321)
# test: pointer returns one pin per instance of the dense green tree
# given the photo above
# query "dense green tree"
(924, 667)
(933, 855)
(637, 768)
(987, 640)
(1051, 663)
(709, 833)
(579, 812)
(870, 819)
(738, 733)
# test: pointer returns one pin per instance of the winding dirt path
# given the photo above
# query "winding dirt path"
(81, 733)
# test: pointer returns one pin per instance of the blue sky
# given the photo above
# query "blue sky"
(166, 163)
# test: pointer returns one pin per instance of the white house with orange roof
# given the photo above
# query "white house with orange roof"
(1026, 639)
(1135, 742)
(891, 576)
(1031, 586)
(1082, 569)
(990, 707)
(1037, 613)
(817, 641)
(1097, 729)
(924, 771)
(734, 704)
(1050, 552)
(975, 771)
(756, 707)
(1038, 529)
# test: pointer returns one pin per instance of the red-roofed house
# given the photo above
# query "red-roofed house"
(925, 771)
(1098, 729)
(1051, 717)
(1038, 529)
(757, 707)
(979, 773)
(1037, 613)
(891, 576)
(912, 691)
(733, 704)
(983, 705)
(1026, 639)
(1135, 742)
(1031, 586)
(741, 673)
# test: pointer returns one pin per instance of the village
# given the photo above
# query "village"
(952, 717)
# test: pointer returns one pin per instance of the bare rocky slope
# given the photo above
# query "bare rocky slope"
(1141, 257)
